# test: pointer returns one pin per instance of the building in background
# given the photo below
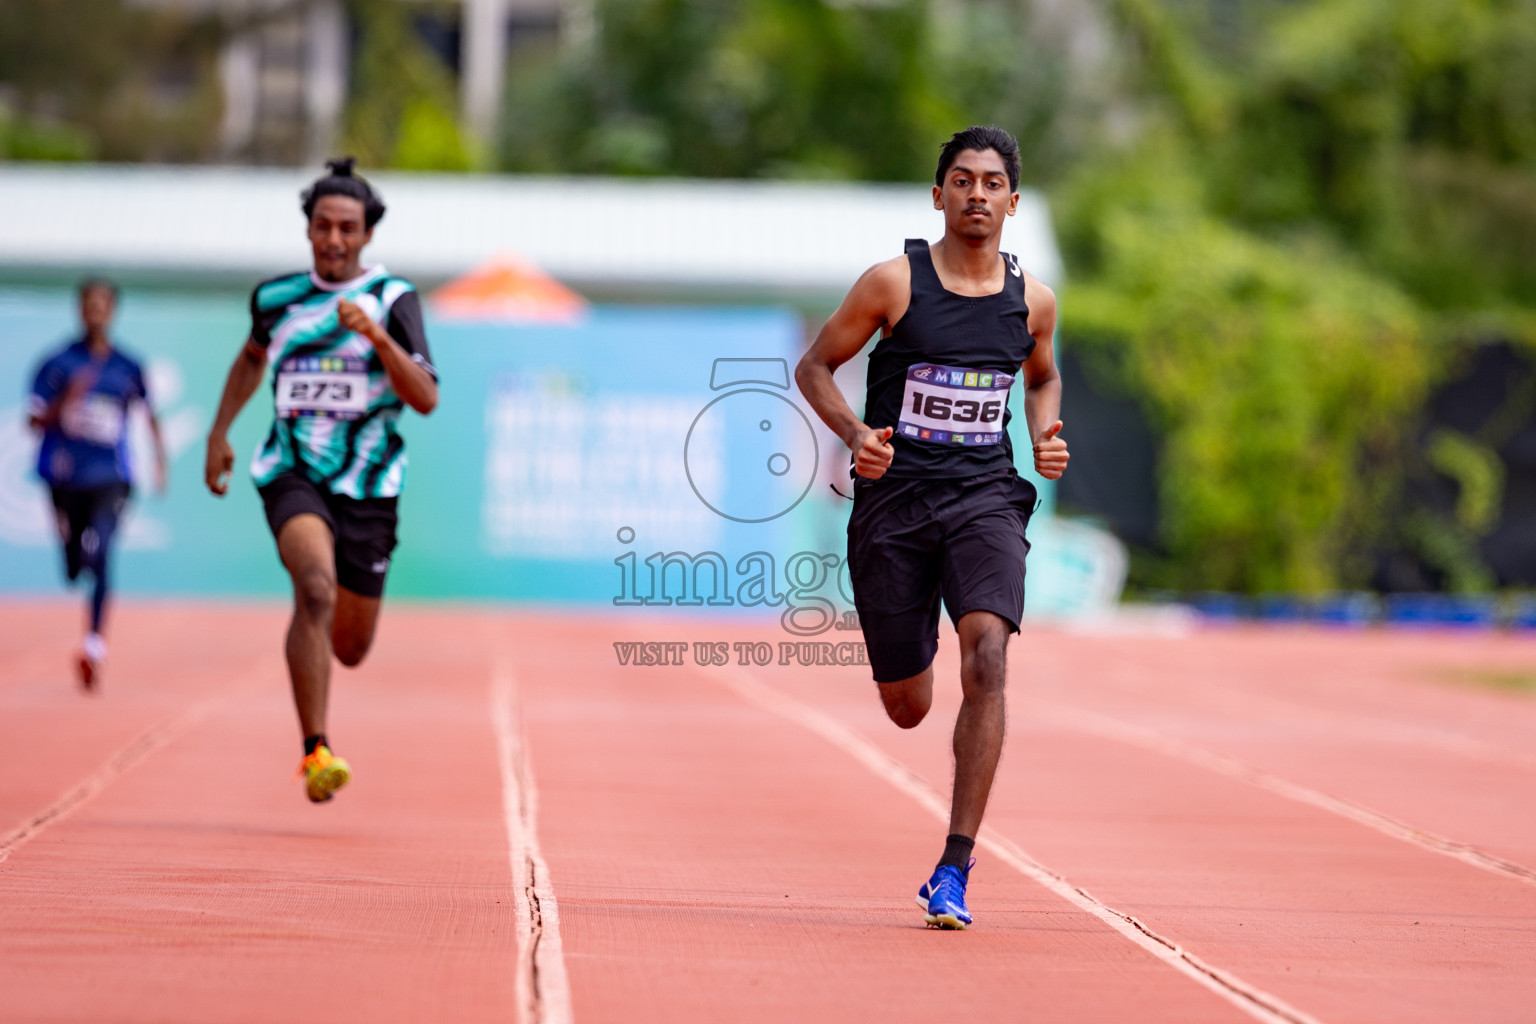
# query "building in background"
(566, 433)
(285, 65)
(284, 79)
(692, 241)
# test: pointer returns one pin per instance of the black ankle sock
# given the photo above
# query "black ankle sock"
(311, 742)
(957, 850)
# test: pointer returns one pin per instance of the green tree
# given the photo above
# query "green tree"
(1283, 259)
(105, 79)
(401, 108)
(1408, 127)
(1282, 380)
(779, 88)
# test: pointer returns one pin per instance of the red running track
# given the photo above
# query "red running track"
(1230, 825)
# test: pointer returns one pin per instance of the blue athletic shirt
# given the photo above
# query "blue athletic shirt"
(88, 446)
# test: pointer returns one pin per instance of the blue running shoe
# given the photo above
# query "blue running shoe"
(943, 897)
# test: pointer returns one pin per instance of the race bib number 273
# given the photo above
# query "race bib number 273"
(330, 387)
(954, 405)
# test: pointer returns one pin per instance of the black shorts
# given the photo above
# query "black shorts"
(363, 528)
(912, 543)
(87, 520)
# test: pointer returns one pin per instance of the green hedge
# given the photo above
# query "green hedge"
(1283, 382)
(1320, 209)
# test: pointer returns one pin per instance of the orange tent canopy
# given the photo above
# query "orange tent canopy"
(508, 288)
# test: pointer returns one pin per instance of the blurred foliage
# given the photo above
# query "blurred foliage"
(1478, 473)
(1286, 222)
(779, 88)
(103, 79)
(119, 80)
(1275, 262)
(27, 139)
(1407, 126)
(1279, 223)
(1280, 380)
(402, 106)
(1447, 545)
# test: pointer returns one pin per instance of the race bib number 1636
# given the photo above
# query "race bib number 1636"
(954, 405)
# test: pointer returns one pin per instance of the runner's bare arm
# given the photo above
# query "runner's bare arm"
(1042, 384)
(244, 377)
(79, 385)
(410, 380)
(162, 470)
(51, 413)
(875, 301)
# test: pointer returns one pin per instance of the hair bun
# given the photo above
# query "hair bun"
(342, 180)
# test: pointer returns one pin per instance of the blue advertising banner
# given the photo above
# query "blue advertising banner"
(639, 457)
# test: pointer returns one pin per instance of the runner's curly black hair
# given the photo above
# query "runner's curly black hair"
(343, 182)
(981, 137)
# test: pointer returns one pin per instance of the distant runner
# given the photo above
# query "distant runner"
(350, 353)
(80, 402)
(939, 511)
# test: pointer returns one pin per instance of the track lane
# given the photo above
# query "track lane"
(714, 861)
(1422, 681)
(53, 738)
(1463, 775)
(675, 818)
(1299, 901)
(202, 886)
(1256, 1003)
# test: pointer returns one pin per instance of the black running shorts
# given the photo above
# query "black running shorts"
(363, 528)
(87, 521)
(914, 542)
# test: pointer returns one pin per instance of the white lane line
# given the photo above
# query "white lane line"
(136, 752)
(1253, 1001)
(1419, 736)
(543, 990)
(1133, 678)
(1113, 728)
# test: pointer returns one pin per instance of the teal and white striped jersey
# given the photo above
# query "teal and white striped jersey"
(338, 417)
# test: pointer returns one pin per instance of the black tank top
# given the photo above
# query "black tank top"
(943, 376)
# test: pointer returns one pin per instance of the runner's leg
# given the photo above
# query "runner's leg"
(907, 701)
(357, 617)
(365, 540)
(96, 547)
(978, 742)
(894, 547)
(70, 522)
(308, 552)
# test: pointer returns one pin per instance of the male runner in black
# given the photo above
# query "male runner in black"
(80, 402)
(349, 354)
(939, 510)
